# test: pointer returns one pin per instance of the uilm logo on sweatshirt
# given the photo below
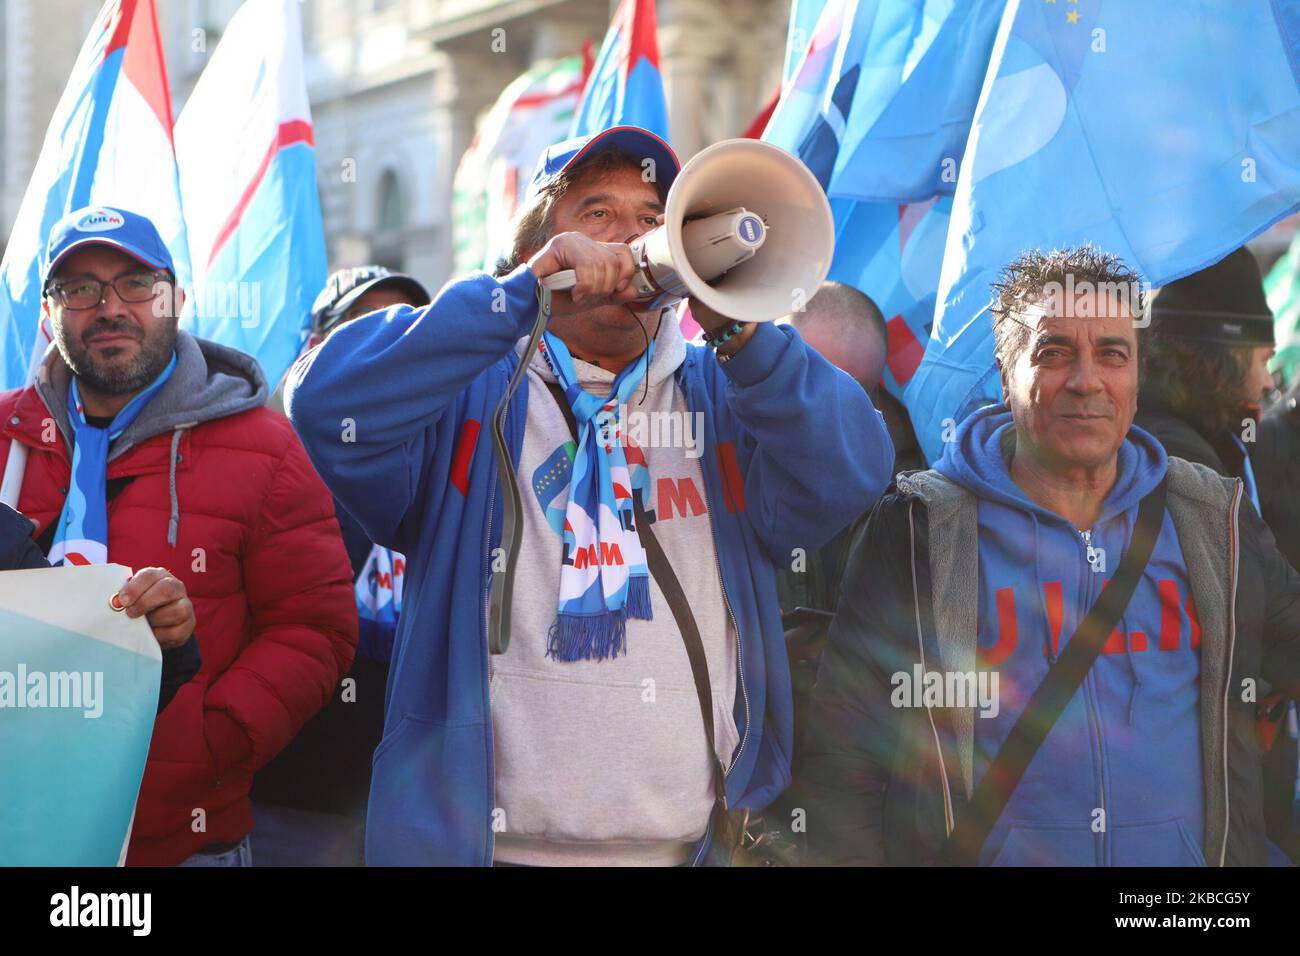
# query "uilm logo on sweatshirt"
(1172, 610)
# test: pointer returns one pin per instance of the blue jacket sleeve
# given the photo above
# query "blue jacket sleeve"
(366, 401)
(822, 453)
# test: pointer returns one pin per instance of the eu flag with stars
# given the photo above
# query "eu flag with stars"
(1165, 133)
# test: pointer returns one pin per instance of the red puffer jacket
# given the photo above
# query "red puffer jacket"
(219, 491)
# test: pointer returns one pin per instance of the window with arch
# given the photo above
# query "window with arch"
(388, 241)
(392, 211)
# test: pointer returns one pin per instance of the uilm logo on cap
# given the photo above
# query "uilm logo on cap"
(100, 220)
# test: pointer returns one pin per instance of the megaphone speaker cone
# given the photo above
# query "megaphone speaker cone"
(747, 231)
(778, 202)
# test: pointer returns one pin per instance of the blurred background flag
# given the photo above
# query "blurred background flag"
(534, 112)
(248, 178)
(1166, 133)
(109, 142)
(626, 88)
(1282, 286)
(879, 105)
(804, 15)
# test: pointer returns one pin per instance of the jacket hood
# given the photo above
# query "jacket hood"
(210, 381)
(974, 460)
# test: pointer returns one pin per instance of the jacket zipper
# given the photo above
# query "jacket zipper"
(1234, 540)
(740, 660)
(1094, 718)
(487, 592)
(744, 693)
(493, 485)
(1087, 540)
(949, 820)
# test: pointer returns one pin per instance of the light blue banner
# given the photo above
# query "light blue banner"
(78, 696)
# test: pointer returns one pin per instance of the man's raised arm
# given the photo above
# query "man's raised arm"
(364, 401)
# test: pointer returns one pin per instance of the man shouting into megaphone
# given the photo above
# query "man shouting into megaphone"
(642, 685)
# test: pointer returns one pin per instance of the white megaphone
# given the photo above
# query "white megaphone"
(747, 231)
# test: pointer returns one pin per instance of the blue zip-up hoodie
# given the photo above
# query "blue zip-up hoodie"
(1118, 780)
(395, 410)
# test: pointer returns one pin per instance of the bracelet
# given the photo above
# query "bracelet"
(721, 336)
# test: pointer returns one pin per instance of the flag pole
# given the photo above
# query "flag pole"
(15, 468)
(11, 485)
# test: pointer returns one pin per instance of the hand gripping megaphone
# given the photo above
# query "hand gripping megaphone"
(747, 231)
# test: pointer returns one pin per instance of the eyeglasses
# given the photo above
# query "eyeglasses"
(87, 293)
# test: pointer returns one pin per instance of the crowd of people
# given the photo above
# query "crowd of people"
(456, 609)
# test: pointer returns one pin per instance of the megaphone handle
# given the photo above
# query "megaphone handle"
(564, 279)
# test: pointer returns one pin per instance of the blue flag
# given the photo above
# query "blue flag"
(804, 15)
(879, 107)
(1165, 133)
(109, 142)
(625, 87)
(247, 157)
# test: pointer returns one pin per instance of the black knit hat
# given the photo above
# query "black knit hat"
(1223, 303)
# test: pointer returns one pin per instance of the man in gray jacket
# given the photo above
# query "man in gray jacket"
(968, 583)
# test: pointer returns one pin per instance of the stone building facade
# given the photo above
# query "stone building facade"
(396, 87)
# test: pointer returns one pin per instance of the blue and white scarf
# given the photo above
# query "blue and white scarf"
(379, 590)
(82, 535)
(604, 579)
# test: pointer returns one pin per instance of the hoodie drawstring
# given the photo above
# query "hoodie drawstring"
(1127, 636)
(174, 522)
(1042, 594)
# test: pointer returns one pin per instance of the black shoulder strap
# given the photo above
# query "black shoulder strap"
(563, 401)
(664, 575)
(1054, 693)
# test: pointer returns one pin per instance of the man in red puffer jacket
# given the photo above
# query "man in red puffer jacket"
(205, 482)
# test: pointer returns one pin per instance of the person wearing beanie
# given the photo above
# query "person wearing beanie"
(1205, 366)
(1205, 380)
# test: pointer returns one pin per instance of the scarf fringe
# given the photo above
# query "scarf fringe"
(638, 598)
(587, 637)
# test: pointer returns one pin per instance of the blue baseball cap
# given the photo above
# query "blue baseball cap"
(104, 225)
(629, 139)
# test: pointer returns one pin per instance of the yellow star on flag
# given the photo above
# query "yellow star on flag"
(1072, 16)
